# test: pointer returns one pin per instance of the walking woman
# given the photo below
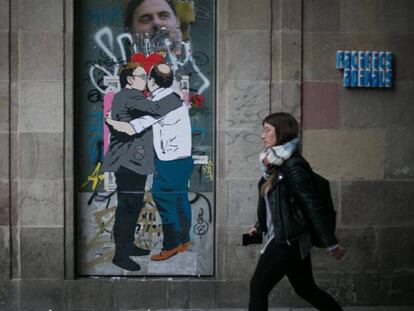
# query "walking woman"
(288, 206)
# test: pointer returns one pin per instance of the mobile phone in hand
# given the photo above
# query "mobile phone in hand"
(248, 239)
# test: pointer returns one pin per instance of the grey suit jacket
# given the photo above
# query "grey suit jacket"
(134, 152)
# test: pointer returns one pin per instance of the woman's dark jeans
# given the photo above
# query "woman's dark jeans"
(277, 261)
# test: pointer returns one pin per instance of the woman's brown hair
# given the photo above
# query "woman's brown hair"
(287, 128)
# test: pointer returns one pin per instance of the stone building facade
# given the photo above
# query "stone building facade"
(272, 55)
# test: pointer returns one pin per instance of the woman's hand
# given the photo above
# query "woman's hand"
(265, 161)
(253, 231)
(338, 252)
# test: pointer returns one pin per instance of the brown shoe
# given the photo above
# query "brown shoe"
(163, 255)
(184, 247)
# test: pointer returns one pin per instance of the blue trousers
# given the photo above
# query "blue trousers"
(170, 193)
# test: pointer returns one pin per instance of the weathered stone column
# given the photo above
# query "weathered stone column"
(5, 248)
(37, 152)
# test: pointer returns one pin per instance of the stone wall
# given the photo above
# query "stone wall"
(272, 55)
(361, 143)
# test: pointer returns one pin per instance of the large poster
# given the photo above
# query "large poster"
(145, 137)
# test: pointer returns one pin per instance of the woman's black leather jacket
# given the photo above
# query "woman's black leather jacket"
(294, 204)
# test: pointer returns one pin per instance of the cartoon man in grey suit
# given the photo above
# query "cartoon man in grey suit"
(131, 158)
(173, 163)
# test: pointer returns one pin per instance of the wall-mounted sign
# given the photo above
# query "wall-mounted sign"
(366, 68)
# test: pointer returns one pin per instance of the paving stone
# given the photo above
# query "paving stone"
(188, 293)
(13, 55)
(319, 56)
(36, 61)
(46, 15)
(4, 254)
(319, 52)
(232, 294)
(247, 104)
(15, 254)
(4, 156)
(4, 203)
(69, 62)
(41, 203)
(240, 261)
(38, 295)
(242, 152)
(4, 15)
(221, 242)
(321, 15)
(363, 109)
(276, 97)
(203, 293)
(179, 294)
(41, 155)
(286, 97)
(377, 203)
(4, 55)
(13, 104)
(221, 205)
(276, 15)
(399, 155)
(222, 11)
(134, 294)
(345, 153)
(37, 98)
(14, 206)
(400, 44)
(398, 111)
(4, 107)
(42, 253)
(8, 295)
(392, 256)
(360, 245)
(245, 14)
(390, 109)
(317, 98)
(276, 61)
(242, 201)
(221, 154)
(360, 16)
(84, 294)
(388, 21)
(291, 55)
(221, 99)
(248, 55)
(291, 15)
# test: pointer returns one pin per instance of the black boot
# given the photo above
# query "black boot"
(122, 260)
(137, 251)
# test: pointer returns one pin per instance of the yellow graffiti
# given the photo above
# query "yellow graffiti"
(186, 14)
(95, 178)
(105, 258)
(208, 170)
(102, 226)
(149, 233)
(149, 230)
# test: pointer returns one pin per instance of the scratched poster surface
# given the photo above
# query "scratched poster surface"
(145, 144)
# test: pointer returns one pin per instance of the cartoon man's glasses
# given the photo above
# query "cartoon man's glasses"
(141, 76)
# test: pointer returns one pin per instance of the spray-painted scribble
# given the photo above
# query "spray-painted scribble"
(98, 249)
(112, 241)
(201, 227)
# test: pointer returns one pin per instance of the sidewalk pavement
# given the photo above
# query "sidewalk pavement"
(381, 308)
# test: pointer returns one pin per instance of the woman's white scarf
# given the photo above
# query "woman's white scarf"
(277, 155)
